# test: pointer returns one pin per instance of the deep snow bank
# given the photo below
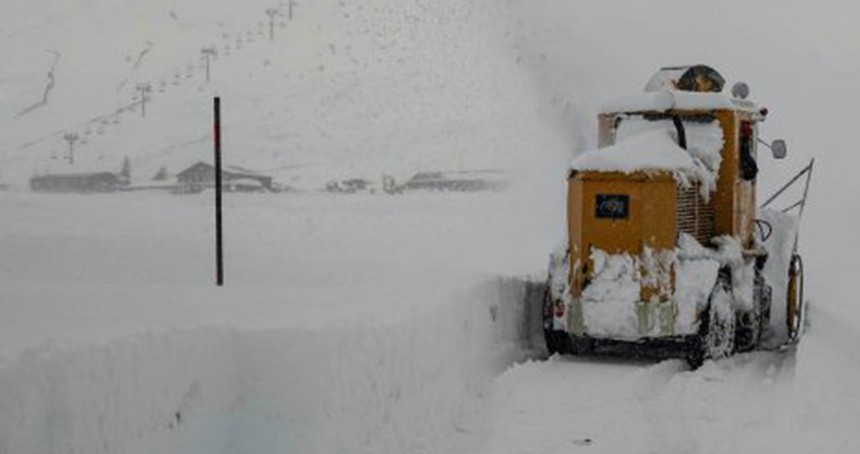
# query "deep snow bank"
(348, 324)
(415, 385)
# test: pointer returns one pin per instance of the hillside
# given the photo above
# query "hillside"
(343, 89)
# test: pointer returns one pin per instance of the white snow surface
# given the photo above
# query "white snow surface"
(609, 301)
(337, 330)
(754, 402)
(109, 331)
(695, 280)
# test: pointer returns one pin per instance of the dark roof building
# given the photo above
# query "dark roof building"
(202, 175)
(77, 182)
(463, 181)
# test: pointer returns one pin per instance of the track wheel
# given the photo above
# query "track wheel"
(716, 338)
(794, 304)
(582, 345)
(558, 342)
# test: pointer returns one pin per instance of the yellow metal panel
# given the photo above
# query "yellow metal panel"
(615, 236)
(658, 214)
(724, 198)
(650, 221)
(578, 255)
(652, 218)
(735, 198)
(745, 200)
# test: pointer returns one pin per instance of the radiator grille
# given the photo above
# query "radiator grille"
(695, 217)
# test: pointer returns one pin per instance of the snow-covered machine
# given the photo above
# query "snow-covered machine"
(666, 249)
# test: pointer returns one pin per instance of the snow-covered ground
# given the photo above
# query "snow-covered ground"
(791, 401)
(348, 324)
(378, 324)
(326, 258)
(351, 324)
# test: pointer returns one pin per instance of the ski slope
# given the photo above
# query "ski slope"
(341, 90)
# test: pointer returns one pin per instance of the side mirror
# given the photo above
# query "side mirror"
(779, 149)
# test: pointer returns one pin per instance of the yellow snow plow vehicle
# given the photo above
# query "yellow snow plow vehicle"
(666, 249)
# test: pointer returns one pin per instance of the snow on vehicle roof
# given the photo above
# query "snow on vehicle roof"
(644, 145)
(649, 151)
(662, 101)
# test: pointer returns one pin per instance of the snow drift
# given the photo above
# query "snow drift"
(416, 385)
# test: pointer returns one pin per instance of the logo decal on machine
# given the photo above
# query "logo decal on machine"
(612, 206)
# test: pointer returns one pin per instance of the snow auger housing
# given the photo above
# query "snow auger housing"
(662, 245)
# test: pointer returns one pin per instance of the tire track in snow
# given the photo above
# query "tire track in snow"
(725, 406)
(609, 405)
(825, 402)
(566, 405)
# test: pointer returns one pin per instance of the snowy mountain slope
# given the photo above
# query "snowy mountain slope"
(343, 89)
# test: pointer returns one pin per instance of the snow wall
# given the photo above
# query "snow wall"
(416, 385)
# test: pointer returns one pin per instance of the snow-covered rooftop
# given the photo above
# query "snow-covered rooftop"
(649, 151)
(644, 145)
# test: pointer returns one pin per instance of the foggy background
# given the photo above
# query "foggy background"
(800, 59)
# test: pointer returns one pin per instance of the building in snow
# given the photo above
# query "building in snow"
(350, 186)
(77, 182)
(463, 181)
(233, 179)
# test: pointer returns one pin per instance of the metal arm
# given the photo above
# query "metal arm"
(805, 171)
(801, 204)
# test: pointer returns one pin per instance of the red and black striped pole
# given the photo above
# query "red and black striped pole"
(219, 246)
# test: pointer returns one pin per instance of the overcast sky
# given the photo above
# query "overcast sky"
(801, 59)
